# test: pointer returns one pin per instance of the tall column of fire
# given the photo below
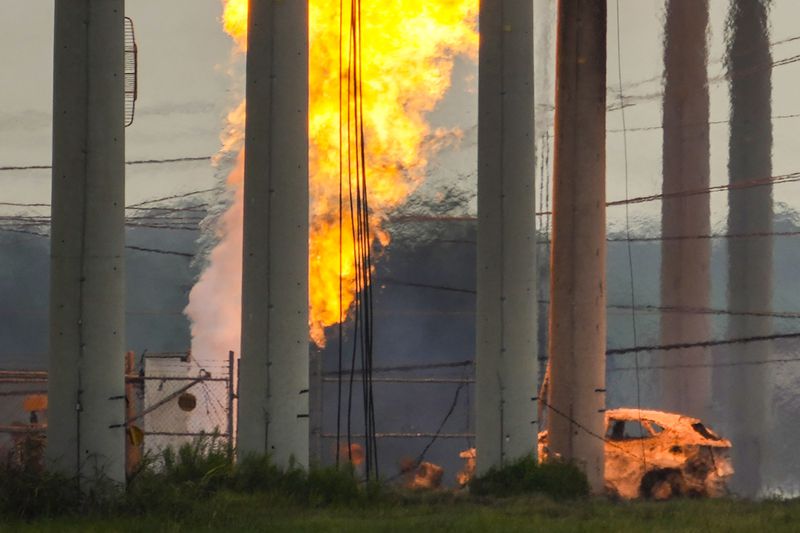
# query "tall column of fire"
(506, 303)
(578, 257)
(87, 284)
(743, 388)
(685, 276)
(273, 388)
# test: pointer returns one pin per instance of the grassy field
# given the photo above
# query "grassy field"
(199, 488)
(227, 511)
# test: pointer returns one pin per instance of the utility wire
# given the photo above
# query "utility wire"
(628, 227)
(711, 365)
(701, 344)
(171, 160)
(129, 247)
(695, 124)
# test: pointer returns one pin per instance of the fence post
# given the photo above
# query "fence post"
(315, 391)
(133, 442)
(231, 398)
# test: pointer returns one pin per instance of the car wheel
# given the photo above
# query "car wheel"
(662, 490)
(661, 484)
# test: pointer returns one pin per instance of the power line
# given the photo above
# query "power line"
(392, 281)
(701, 344)
(793, 233)
(134, 162)
(628, 227)
(159, 251)
(583, 427)
(695, 124)
(710, 365)
(708, 311)
(672, 309)
(129, 247)
(173, 197)
(756, 182)
(407, 368)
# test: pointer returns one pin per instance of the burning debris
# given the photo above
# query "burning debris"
(463, 477)
(353, 454)
(424, 475)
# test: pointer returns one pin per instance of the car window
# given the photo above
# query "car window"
(626, 430)
(704, 431)
(654, 428)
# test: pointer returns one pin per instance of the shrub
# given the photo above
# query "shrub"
(27, 490)
(559, 480)
(333, 485)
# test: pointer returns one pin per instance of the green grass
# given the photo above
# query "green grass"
(197, 488)
(228, 511)
(556, 479)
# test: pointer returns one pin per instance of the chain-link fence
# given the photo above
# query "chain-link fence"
(424, 415)
(23, 414)
(180, 401)
(170, 400)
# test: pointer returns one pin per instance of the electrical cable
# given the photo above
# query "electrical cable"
(340, 326)
(358, 203)
(628, 228)
(171, 160)
(701, 344)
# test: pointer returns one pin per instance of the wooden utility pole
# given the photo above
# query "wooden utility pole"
(577, 339)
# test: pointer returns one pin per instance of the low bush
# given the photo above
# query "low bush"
(28, 490)
(177, 483)
(559, 480)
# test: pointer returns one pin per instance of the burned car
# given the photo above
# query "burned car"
(654, 454)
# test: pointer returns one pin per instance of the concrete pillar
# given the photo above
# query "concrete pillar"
(743, 389)
(87, 284)
(685, 276)
(578, 256)
(506, 304)
(273, 386)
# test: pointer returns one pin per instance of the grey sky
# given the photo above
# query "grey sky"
(185, 90)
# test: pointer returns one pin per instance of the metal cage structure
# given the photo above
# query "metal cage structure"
(131, 71)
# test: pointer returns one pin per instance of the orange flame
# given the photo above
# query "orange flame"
(408, 51)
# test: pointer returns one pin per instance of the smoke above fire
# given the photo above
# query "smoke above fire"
(409, 48)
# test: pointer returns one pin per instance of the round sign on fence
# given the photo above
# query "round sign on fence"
(187, 401)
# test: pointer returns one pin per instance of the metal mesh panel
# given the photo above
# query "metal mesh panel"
(180, 409)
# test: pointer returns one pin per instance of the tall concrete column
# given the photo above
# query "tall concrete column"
(86, 386)
(685, 276)
(506, 359)
(578, 256)
(273, 386)
(743, 389)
